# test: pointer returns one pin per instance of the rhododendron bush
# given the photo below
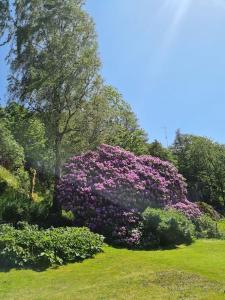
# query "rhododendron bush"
(107, 189)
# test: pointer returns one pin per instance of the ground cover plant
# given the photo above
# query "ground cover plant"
(28, 246)
(193, 272)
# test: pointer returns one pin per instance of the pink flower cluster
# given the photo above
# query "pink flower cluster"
(189, 209)
(108, 188)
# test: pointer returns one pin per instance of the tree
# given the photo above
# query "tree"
(108, 119)
(201, 162)
(54, 65)
(4, 21)
(11, 153)
(29, 131)
(123, 128)
(156, 149)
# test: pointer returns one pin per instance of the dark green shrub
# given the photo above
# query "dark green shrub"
(165, 228)
(206, 227)
(18, 209)
(28, 246)
(13, 212)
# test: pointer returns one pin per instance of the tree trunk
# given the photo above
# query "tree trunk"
(33, 174)
(56, 207)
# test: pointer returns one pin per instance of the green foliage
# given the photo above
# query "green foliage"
(14, 184)
(55, 75)
(201, 162)
(221, 226)
(11, 153)
(55, 69)
(29, 131)
(121, 124)
(156, 149)
(165, 228)
(16, 207)
(7, 180)
(20, 208)
(4, 18)
(206, 227)
(105, 119)
(28, 246)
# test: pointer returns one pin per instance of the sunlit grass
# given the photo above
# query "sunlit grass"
(9, 178)
(221, 226)
(194, 272)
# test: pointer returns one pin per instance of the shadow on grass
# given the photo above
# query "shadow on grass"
(6, 269)
(150, 248)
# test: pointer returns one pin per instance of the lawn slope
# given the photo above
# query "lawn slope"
(194, 272)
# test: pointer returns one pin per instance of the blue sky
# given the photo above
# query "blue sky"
(167, 58)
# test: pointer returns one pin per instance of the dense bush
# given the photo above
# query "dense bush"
(108, 188)
(206, 227)
(15, 209)
(208, 210)
(28, 246)
(165, 228)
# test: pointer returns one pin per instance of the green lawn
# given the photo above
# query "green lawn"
(193, 272)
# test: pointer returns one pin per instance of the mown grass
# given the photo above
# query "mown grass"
(193, 272)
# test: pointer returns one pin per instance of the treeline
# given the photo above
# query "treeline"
(60, 106)
(27, 149)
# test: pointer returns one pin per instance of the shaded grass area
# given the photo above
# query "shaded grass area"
(193, 272)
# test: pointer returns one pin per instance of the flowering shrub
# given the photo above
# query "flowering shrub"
(107, 189)
(189, 209)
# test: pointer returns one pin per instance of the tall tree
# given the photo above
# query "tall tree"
(4, 21)
(201, 161)
(105, 119)
(54, 65)
(110, 120)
